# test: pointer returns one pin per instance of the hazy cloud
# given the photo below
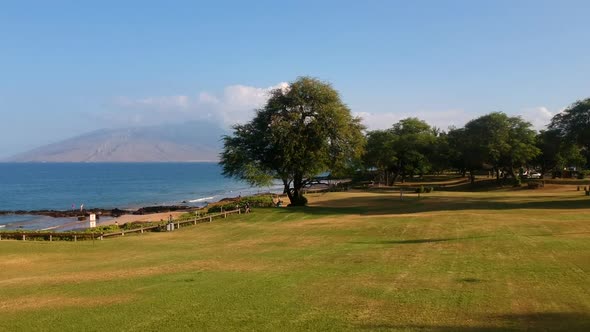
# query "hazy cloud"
(235, 104)
(539, 117)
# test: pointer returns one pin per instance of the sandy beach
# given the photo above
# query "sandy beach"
(127, 218)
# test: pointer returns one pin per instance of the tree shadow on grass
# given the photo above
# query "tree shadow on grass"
(544, 321)
(418, 241)
(380, 205)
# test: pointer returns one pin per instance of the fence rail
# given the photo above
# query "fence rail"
(50, 236)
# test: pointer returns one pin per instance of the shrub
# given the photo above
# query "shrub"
(254, 201)
(420, 190)
(103, 229)
(258, 201)
(225, 207)
(300, 202)
(517, 182)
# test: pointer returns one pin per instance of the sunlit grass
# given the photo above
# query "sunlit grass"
(350, 261)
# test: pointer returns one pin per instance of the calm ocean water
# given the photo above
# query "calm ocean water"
(58, 186)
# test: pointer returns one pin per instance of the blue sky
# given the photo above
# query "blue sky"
(68, 67)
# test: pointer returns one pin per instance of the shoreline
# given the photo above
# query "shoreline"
(114, 216)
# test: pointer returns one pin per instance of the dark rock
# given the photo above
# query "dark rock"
(159, 209)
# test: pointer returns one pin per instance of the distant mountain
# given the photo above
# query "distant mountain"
(191, 141)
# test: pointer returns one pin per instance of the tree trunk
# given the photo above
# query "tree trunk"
(471, 177)
(295, 194)
(392, 179)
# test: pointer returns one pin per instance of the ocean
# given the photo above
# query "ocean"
(63, 186)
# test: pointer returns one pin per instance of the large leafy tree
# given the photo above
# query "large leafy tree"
(302, 131)
(401, 151)
(557, 152)
(463, 154)
(380, 154)
(574, 125)
(550, 143)
(497, 140)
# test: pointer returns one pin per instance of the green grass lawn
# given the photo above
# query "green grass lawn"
(450, 261)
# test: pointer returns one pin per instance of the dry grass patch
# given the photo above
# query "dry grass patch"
(57, 302)
(123, 273)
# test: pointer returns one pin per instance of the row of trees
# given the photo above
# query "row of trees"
(306, 129)
(496, 142)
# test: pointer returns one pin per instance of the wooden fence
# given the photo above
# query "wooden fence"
(50, 236)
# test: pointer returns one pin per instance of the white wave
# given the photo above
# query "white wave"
(202, 199)
(2, 226)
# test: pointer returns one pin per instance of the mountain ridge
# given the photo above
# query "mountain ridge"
(186, 142)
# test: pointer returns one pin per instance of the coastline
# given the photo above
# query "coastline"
(108, 217)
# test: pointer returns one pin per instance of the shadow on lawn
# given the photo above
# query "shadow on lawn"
(418, 241)
(380, 205)
(544, 321)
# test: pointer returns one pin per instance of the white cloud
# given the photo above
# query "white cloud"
(235, 104)
(239, 101)
(539, 117)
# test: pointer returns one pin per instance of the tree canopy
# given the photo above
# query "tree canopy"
(503, 143)
(402, 150)
(574, 125)
(302, 131)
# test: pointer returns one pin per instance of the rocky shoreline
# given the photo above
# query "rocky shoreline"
(99, 212)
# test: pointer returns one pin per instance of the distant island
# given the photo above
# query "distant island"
(187, 142)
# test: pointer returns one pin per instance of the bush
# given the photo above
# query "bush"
(429, 189)
(517, 182)
(300, 202)
(420, 190)
(225, 207)
(103, 229)
(254, 201)
(257, 201)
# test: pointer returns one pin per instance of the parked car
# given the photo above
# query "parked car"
(534, 175)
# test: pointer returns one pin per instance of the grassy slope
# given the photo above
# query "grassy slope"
(452, 261)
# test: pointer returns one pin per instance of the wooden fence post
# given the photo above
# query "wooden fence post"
(75, 238)
(24, 237)
(142, 230)
(50, 237)
(225, 215)
(210, 218)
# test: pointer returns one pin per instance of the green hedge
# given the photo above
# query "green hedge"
(254, 201)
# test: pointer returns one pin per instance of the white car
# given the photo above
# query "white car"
(534, 175)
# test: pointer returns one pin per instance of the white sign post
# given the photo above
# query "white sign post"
(92, 220)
